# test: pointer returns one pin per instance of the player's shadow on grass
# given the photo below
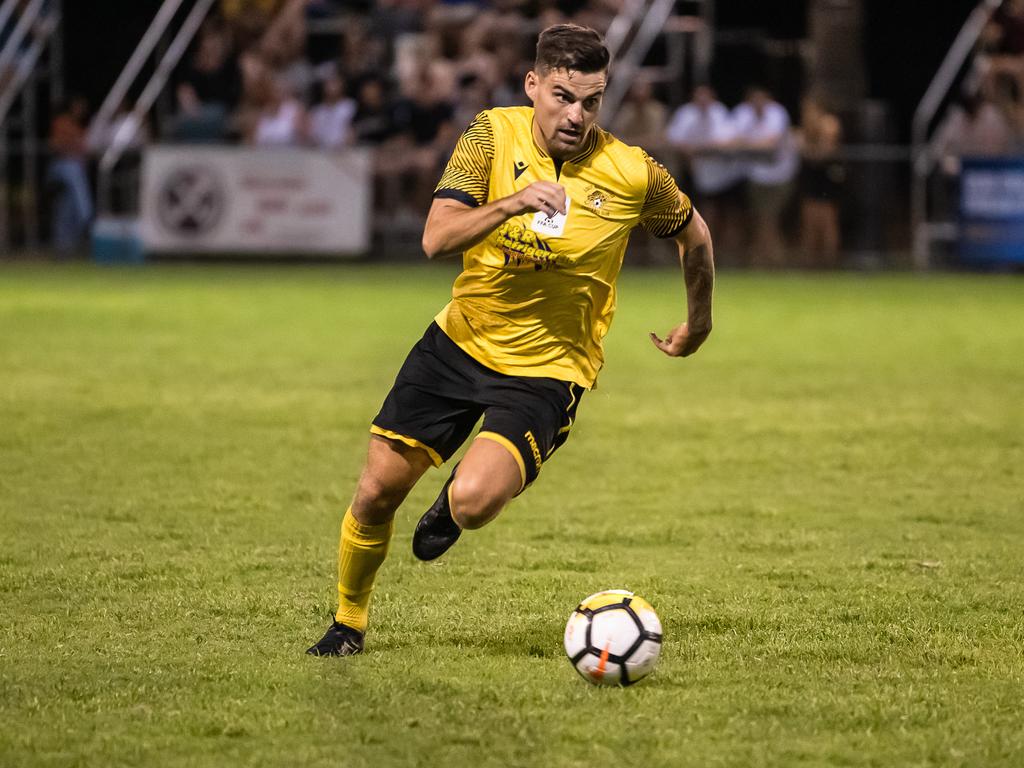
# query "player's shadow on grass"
(538, 642)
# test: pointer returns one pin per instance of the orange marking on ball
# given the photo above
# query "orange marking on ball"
(602, 663)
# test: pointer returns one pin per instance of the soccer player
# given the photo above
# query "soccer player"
(540, 202)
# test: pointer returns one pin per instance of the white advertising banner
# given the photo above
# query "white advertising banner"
(248, 200)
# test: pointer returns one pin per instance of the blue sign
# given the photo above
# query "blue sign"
(992, 209)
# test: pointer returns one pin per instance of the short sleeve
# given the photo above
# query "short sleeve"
(666, 211)
(466, 178)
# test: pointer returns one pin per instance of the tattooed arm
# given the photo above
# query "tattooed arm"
(695, 253)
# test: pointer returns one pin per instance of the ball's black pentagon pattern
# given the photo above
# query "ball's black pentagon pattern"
(619, 660)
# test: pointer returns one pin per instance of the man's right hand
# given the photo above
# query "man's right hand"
(544, 196)
(452, 226)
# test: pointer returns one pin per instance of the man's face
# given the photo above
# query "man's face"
(565, 104)
(759, 99)
(703, 96)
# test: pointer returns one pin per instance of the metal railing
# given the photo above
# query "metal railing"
(29, 58)
(161, 22)
(36, 26)
(629, 39)
(6, 11)
(927, 232)
(22, 27)
(153, 88)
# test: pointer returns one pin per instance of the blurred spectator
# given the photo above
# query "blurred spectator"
(763, 133)
(295, 73)
(67, 175)
(1004, 92)
(363, 55)
(597, 14)
(1000, 49)
(418, 62)
(287, 29)
(513, 64)
(283, 47)
(127, 133)
(211, 76)
(209, 88)
(374, 122)
(475, 52)
(281, 121)
(821, 182)
(409, 163)
(249, 19)
(233, 9)
(1006, 28)
(393, 18)
(255, 74)
(974, 126)
(642, 118)
(491, 49)
(704, 132)
(330, 121)
(425, 113)
(473, 98)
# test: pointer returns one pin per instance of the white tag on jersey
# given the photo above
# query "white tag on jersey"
(550, 225)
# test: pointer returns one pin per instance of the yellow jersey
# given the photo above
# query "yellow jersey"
(537, 295)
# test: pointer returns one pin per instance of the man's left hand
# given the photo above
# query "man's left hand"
(681, 341)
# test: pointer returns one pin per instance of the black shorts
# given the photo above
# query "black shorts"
(441, 392)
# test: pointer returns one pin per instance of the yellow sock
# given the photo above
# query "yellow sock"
(361, 551)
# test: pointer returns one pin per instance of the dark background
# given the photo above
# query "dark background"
(904, 43)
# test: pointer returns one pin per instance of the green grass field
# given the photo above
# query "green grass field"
(825, 505)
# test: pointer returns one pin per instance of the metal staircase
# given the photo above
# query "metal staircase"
(687, 40)
(929, 230)
(162, 24)
(30, 62)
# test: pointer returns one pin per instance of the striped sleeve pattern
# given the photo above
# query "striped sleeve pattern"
(466, 177)
(666, 210)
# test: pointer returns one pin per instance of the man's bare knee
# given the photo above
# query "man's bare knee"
(391, 470)
(376, 501)
(474, 501)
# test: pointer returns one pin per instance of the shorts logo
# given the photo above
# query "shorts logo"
(534, 448)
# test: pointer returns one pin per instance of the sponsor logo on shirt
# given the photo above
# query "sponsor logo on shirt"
(522, 247)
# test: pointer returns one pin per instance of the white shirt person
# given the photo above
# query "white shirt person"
(330, 121)
(765, 138)
(704, 129)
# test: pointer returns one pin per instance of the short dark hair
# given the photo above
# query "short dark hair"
(571, 47)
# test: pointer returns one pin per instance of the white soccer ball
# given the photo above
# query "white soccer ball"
(613, 638)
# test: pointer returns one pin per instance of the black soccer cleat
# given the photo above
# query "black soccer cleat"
(436, 531)
(339, 640)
